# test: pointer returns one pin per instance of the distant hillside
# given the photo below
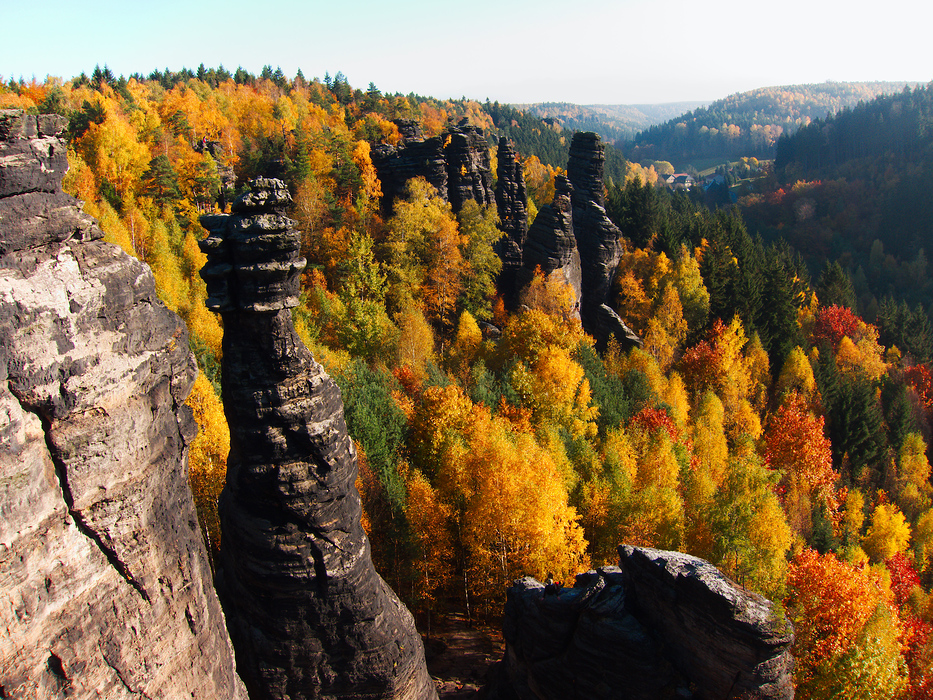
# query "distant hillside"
(748, 123)
(854, 188)
(615, 123)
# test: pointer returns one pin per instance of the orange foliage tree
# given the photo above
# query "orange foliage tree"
(797, 447)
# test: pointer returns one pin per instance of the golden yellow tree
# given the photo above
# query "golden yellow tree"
(207, 457)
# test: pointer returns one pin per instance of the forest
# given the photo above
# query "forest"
(764, 424)
(748, 123)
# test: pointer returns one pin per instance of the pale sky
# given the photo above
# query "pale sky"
(580, 51)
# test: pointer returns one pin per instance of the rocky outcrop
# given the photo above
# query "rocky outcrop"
(105, 580)
(598, 239)
(662, 624)
(551, 244)
(512, 207)
(413, 157)
(469, 170)
(308, 614)
(457, 163)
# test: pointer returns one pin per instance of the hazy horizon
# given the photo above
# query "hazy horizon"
(611, 53)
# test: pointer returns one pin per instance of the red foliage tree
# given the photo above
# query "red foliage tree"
(832, 324)
(919, 378)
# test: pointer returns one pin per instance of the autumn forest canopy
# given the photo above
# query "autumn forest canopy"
(776, 419)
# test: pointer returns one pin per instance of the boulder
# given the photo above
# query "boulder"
(660, 625)
(106, 584)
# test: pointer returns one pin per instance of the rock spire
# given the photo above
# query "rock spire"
(551, 244)
(598, 240)
(308, 615)
(512, 206)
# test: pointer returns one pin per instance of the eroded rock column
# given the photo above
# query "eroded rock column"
(598, 240)
(308, 614)
(512, 206)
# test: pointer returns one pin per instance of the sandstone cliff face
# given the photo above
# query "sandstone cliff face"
(512, 207)
(661, 625)
(413, 157)
(308, 614)
(106, 587)
(469, 169)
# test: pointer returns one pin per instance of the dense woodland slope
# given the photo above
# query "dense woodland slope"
(853, 189)
(747, 123)
(763, 425)
(615, 123)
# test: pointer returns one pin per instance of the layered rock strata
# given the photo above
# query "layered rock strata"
(414, 156)
(308, 614)
(106, 586)
(512, 207)
(662, 624)
(598, 239)
(456, 163)
(551, 244)
(469, 169)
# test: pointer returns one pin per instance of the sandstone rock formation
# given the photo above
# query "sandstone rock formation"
(457, 164)
(512, 207)
(661, 625)
(551, 244)
(598, 240)
(413, 157)
(308, 614)
(469, 170)
(106, 587)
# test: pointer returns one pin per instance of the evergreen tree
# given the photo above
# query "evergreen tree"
(160, 181)
(835, 287)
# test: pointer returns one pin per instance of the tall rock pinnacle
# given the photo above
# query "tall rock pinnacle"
(512, 205)
(308, 614)
(550, 244)
(598, 239)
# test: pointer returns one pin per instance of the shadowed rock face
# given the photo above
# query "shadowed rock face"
(106, 587)
(469, 171)
(414, 156)
(551, 244)
(598, 239)
(457, 163)
(512, 206)
(308, 614)
(661, 625)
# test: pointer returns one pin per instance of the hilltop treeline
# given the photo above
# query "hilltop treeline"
(851, 189)
(763, 425)
(747, 124)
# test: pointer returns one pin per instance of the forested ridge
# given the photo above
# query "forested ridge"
(764, 425)
(852, 190)
(747, 123)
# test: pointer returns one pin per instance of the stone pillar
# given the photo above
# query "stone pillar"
(308, 614)
(512, 206)
(598, 240)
